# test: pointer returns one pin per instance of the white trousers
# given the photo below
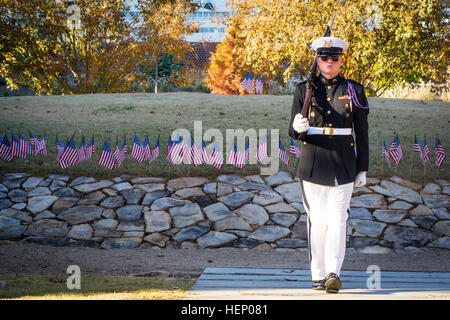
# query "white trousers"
(326, 207)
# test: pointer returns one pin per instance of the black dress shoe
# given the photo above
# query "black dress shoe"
(319, 284)
(332, 283)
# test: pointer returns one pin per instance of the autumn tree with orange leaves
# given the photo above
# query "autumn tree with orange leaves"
(224, 73)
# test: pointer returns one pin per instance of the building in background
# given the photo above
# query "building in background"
(209, 30)
(209, 33)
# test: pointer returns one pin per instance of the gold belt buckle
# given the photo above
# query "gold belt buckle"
(328, 131)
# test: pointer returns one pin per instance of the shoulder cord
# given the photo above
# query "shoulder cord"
(352, 94)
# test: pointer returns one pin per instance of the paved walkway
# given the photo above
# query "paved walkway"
(285, 284)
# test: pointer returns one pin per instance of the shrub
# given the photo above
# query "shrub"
(419, 91)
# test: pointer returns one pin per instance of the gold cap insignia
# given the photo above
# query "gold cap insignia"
(327, 44)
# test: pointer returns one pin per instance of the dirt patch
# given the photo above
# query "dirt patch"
(22, 259)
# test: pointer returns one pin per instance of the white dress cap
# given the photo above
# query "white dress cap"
(328, 42)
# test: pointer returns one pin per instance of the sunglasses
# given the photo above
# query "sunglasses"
(334, 58)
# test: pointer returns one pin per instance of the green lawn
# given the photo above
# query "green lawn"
(93, 287)
(109, 115)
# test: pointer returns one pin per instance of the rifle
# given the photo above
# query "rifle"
(312, 77)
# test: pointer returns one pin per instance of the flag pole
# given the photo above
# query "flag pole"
(435, 158)
(33, 160)
(25, 158)
(412, 162)
(96, 162)
(190, 160)
(167, 154)
(159, 158)
(382, 163)
(149, 152)
(179, 164)
(424, 169)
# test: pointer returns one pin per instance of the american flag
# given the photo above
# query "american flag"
(106, 157)
(137, 151)
(69, 157)
(439, 153)
(24, 146)
(205, 156)
(250, 83)
(38, 146)
(124, 146)
(90, 149)
(196, 153)
(259, 84)
(426, 151)
(240, 157)
(176, 152)
(385, 153)
(41, 146)
(293, 149)
(116, 152)
(146, 149)
(187, 151)
(417, 148)
(399, 148)
(282, 154)
(81, 151)
(5, 150)
(155, 151)
(232, 155)
(59, 148)
(393, 152)
(216, 158)
(169, 147)
(33, 142)
(262, 153)
(244, 82)
(15, 147)
(119, 153)
(247, 152)
(235, 157)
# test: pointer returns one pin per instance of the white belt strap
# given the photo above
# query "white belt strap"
(330, 131)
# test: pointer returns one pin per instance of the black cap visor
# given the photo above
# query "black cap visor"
(332, 51)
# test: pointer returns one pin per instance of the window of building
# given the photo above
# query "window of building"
(209, 6)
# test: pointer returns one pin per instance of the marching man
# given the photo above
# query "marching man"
(330, 165)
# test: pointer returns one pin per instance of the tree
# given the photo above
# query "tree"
(409, 43)
(161, 29)
(42, 48)
(224, 73)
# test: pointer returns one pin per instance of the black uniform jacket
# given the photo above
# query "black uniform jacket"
(324, 157)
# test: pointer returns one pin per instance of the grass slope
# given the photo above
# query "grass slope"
(93, 287)
(109, 115)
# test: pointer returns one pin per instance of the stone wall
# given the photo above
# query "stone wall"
(194, 212)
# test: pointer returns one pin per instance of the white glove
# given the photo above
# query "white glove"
(300, 124)
(360, 179)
